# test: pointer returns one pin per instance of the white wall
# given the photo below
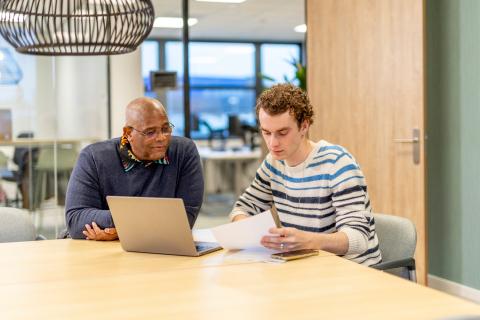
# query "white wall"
(126, 84)
(81, 97)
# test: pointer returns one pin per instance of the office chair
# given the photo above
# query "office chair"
(397, 239)
(45, 171)
(16, 225)
(10, 176)
(24, 158)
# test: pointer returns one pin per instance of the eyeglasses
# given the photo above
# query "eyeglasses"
(151, 133)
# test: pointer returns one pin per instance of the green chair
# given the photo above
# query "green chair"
(397, 239)
(47, 168)
(16, 225)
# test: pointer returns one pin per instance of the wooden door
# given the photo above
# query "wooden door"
(365, 62)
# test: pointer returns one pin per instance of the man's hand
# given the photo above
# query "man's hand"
(288, 239)
(95, 233)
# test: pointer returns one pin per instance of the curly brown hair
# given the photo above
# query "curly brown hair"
(286, 97)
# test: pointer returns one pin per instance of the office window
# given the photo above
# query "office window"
(150, 61)
(276, 62)
(223, 82)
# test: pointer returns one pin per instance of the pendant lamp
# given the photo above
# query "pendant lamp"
(75, 27)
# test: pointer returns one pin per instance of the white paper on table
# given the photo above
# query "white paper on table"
(246, 233)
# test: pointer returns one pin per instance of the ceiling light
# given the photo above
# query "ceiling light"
(223, 1)
(173, 23)
(301, 28)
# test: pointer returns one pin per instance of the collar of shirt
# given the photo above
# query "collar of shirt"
(129, 160)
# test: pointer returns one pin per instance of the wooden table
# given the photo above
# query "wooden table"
(75, 279)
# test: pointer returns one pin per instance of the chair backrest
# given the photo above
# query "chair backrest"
(397, 237)
(3, 160)
(66, 158)
(15, 225)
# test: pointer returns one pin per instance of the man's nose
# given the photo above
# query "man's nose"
(274, 140)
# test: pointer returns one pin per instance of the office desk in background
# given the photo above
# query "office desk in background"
(240, 159)
(77, 279)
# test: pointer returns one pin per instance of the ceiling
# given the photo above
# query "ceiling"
(261, 20)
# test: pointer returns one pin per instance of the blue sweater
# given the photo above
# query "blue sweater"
(99, 173)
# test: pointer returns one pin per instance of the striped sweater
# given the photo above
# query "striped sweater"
(325, 193)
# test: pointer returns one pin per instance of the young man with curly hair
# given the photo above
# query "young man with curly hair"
(318, 189)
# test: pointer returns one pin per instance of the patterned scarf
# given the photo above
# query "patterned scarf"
(128, 158)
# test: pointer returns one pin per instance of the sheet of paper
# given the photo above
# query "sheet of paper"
(203, 235)
(246, 233)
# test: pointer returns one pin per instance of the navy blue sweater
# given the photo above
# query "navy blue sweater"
(99, 173)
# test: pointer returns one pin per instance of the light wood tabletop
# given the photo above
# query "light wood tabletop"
(75, 279)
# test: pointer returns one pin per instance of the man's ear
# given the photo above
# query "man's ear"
(127, 131)
(304, 127)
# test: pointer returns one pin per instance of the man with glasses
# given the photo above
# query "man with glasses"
(146, 161)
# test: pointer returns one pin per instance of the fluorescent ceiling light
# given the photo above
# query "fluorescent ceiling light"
(223, 1)
(173, 23)
(301, 28)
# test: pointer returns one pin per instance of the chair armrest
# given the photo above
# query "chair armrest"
(408, 263)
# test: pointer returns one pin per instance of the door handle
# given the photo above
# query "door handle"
(415, 141)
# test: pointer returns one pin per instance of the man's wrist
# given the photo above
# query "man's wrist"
(317, 241)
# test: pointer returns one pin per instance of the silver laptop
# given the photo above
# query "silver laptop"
(155, 225)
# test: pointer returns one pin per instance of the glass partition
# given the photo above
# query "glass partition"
(58, 106)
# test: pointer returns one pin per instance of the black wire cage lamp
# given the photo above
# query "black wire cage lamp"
(75, 27)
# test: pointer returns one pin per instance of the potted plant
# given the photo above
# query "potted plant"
(300, 78)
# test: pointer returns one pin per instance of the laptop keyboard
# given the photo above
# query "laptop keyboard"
(202, 246)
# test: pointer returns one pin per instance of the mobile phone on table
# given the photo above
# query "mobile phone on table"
(292, 255)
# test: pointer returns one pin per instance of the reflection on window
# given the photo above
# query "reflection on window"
(276, 62)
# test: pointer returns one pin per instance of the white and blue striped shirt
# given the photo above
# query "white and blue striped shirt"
(325, 193)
